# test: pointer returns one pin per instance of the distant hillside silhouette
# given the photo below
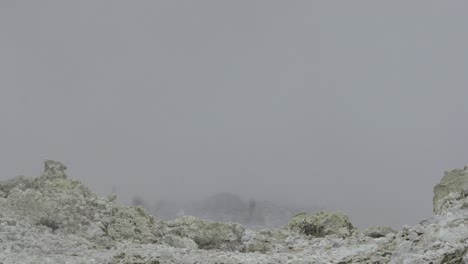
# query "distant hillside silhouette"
(229, 207)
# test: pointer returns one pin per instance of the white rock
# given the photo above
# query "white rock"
(53, 219)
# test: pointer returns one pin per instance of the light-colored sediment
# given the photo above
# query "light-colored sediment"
(54, 219)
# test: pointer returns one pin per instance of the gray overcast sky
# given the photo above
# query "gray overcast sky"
(357, 105)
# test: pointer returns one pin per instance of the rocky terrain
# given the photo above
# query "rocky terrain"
(55, 219)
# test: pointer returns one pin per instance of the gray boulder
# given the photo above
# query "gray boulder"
(54, 169)
(263, 241)
(378, 231)
(206, 234)
(322, 224)
(131, 223)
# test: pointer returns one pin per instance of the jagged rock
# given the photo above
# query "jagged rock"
(378, 231)
(67, 206)
(54, 201)
(54, 169)
(452, 187)
(131, 223)
(322, 224)
(207, 235)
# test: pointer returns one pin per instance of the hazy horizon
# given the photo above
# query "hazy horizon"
(358, 106)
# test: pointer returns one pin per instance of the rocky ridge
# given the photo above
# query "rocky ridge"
(55, 219)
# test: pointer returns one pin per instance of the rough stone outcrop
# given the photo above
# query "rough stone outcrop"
(53, 200)
(131, 223)
(322, 224)
(452, 188)
(54, 169)
(206, 234)
(263, 241)
(67, 206)
(54, 219)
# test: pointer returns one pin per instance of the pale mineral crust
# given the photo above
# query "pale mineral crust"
(55, 219)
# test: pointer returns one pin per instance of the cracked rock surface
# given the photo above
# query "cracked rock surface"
(55, 219)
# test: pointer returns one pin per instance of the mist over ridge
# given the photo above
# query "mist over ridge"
(356, 107)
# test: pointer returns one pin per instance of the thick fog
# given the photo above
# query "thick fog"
(356, 106)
